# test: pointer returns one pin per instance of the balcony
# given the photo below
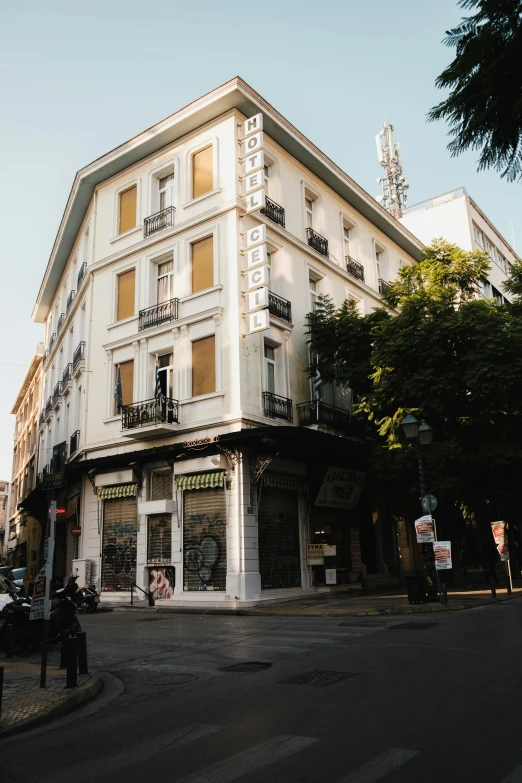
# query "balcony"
(78, 358)
(67, 377)
(70, 300)
(74, 442)
(159, 314)
(149, 418)
(41, 418)
(274, 212)
(60, 324)
(279, 307)
(52, 342)
(49, 406)
(316, 241)
(354, 268)
(277, 407)
(57, 394)
(383, 286)
(81, 274)
(159, 221)
(317, 412)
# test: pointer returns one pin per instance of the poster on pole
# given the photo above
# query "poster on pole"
(501, 542)
(424, 529)
(442, 555)
(41, 601)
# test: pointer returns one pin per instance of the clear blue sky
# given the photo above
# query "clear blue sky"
(80, 78)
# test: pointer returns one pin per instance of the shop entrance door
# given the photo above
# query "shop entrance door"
(278, 533)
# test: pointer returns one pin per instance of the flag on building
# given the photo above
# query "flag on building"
(117, 390)
(158, 393)
(318, 384)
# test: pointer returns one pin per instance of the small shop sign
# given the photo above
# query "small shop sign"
(330, 576)
(341, 488)
(315, 554)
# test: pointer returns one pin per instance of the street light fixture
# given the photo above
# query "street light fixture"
(425, 434)
(410, 427)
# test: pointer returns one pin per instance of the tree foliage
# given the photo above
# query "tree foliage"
(484, 106)
(437, 350)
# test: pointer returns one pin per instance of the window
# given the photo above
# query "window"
(202, 172)
(126, 291)
(166, 374)
(204, 366)
(160, 485)
(312, 284)
(270, 385)
(269, 268)
(165, 187)
(266, 177)
(202, 264)
(484, 287)
(309, 209)
(127, 384)
(478, 235)
(127, 210)
(346, 240)
(380, 262)
(165, 281)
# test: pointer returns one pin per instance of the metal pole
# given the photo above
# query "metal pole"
(83, 667)
(64, 635)
(507, 572)
(1, 687)
(45, 644)
(47, 598)
(422, 481)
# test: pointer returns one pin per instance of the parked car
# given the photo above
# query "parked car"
(5, 597)
(17, 577)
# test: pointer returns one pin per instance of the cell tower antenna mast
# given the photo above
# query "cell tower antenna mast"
(393, 183)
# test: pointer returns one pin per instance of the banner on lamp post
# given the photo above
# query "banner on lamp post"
(500, 536)
(442, 555)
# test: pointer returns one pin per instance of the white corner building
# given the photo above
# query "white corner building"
(191, 453)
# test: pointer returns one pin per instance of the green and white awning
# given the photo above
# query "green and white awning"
(119, 491)
(200, 481)
(282, 481)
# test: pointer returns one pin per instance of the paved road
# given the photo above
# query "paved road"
(436, 701)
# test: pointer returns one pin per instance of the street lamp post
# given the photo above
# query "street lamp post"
(421, 435)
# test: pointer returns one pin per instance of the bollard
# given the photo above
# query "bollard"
(444, 593)
(71, 680)
(9, 640)
(64, 635)
(493, 588)
(1, 687)
(82, 653)
(152, 602)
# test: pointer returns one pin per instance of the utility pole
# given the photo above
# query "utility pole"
(393, 183)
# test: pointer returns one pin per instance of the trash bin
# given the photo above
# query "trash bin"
(416, 587)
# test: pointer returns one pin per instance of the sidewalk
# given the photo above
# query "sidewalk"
(25, 705)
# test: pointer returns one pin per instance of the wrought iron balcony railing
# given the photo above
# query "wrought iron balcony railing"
(354, 268)
(49, 405)
(279, 307)
(277, 407)
(383, 286)
(81, 274)
(70, 300)
(156, 411)
(74, 442)
(52, 342)
(274, 212)
(159, 221)
(316, 241)
(41, 418)
(46, 470)
(57, 391)
(67, 374)
(318, 412)
(78, 355)
(159, 314)
(60, 324)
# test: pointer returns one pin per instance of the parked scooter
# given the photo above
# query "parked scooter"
(62, 618)
(87, 597)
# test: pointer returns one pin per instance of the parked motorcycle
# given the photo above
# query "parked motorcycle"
(27, 631)
(87, 597)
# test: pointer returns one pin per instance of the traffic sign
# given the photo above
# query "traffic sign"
(76, 531)
(429, 503)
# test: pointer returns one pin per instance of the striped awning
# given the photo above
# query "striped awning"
(119, 491)
(281, 481)
(200, 481)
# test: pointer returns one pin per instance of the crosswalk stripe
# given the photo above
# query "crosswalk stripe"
(514, 777)
(90, 770)
(380, 766)
(250, 760)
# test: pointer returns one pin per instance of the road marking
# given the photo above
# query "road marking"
(380, 766)
(251, 760)
(299, 639)
(514, 777)
(90, 770)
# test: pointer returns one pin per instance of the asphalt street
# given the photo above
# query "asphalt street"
(427, 698)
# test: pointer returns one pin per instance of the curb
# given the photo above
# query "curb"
(78, 698)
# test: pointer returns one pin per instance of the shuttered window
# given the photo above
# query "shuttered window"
(160, 486)
(204, 366)
(127, 384)
(159, 539)
(202, 172)
(202, 264)
(120, 525)
(278, 531)
(127, 210)
(204, 540)
(126, 291)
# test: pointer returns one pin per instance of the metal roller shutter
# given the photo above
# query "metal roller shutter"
(120, 527)
(278, 532)
(159, 540)
(204, 540)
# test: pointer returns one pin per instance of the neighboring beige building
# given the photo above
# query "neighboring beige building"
(4, 499)
(24, 531)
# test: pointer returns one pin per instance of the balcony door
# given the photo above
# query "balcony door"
(166, 375)
(270, 369)
(165, 284)
(166, 191)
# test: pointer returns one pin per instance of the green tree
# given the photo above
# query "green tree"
(484, 106)
(439, 351)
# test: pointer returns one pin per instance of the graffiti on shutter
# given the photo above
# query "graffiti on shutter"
(159, 539)
(204, 540)
(120, 526)
(160, 486)
(278, 530)
(161, 582)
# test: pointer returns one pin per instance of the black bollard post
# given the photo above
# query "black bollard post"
(493, 588)
(71, 680)
(1, 687)
(9, 640)
(83, 667)
(64, 635)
